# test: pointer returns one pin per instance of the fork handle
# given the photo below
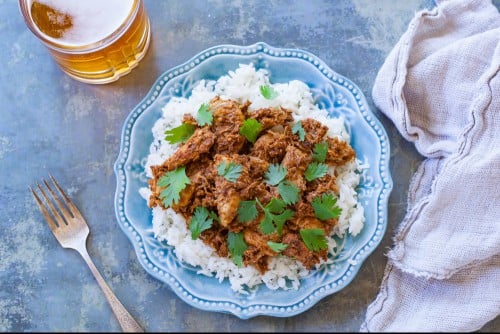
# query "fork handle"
(127, 323)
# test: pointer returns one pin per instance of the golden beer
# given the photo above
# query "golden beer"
(94, 41)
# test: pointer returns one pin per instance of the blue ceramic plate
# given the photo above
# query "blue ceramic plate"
(331, 91)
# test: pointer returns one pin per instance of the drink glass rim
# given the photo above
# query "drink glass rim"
(24, 6)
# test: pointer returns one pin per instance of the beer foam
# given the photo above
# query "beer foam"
(93, 20)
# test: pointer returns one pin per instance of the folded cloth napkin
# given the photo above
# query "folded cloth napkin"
(440, 86)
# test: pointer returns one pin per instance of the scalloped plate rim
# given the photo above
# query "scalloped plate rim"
(252, 309)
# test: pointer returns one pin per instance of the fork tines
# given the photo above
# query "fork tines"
(60, 213)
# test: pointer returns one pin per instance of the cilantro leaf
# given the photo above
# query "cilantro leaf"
(267, 225)
(280, 220)
(288, 192)
(180, 134)
(268, 92)
(277, 247)
(250, 129)
(275, 216)
(314, 238)
(325, 207)
(214, 216)
(200, 221)
(230, 171)
(173, 182)
(275, 205)
(237, 246)
(247, 211)
(204, 116)
(275, 174)
(299, 130)
(315, 170)
(319, 152)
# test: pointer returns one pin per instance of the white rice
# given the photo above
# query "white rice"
(242, 85)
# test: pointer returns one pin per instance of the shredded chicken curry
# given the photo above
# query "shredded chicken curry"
(276, 212)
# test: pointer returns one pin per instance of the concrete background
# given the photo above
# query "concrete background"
(50, 123)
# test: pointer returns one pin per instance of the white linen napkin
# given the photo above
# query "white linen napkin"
(440, 86)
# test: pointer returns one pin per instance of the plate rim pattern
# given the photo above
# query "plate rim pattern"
(233, 307)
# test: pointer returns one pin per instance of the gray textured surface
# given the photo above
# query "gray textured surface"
(50, 123)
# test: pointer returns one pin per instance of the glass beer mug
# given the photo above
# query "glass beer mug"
(93, 41)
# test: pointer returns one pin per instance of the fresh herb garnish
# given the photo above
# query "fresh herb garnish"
(315, 170)
(275, 174)
(201, 220)
(267, 226)
(314, 238)
(214, 216)
(268, 92)
(281, 219)
(180, 134)
(204, 116)
(251, 129)
(298, 130)
(325, 207)
(237, 246)
(173, 182)
(275, 216)
(277, 247)
(230, 171)
(288, 192)
(319, 152)
(247, 211)
(275, 205)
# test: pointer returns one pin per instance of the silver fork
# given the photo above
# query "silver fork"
(71, 230)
